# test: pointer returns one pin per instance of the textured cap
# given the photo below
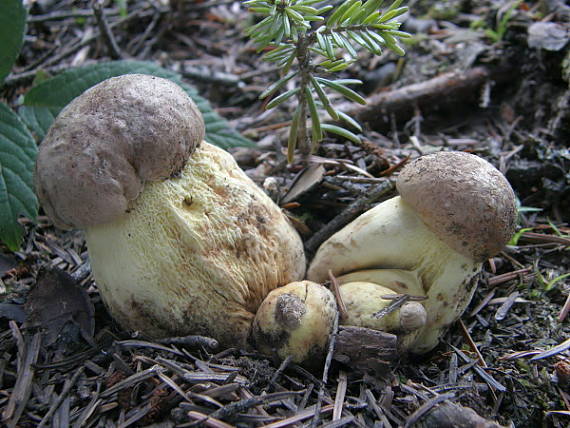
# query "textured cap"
(108, 141)
(463, 199)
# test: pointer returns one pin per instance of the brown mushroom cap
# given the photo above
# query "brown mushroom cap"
(463, 199)
(108, 141)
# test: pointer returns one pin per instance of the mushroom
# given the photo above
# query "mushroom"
(295, 321)
(178, 244)
(454, 211)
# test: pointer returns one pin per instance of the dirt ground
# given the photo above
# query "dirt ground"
(478, 76)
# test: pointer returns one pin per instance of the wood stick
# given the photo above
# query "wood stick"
(441, 92)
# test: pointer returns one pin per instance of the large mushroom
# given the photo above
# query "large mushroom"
(180, 240)
(454, 211)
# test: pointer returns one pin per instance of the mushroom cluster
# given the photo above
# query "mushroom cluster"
(180, 240)
(455, 210)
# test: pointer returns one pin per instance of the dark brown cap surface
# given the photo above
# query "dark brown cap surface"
(108, 141)
(463, 199)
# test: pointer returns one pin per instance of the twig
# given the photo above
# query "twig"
(500, 279)
(328, 361)
(23, 388)
(280, 370)
(426, 407)
(396, 304)
(106, 33)
(446, 90)
(350, 213)
(343, 313)
(60, 15)
(340, 395)
(191, 341)
(472, 344)
(208, 421)
(65, 391)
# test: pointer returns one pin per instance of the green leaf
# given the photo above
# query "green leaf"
(341, 131)
(293, 133)
(17, 157)
(391, 14)
(317, 133)
(339, 12)
(323, 97)
(341, 89)
(350, 12)
(349, 120)
(44, 101)
(281, 98)
(372, 6)
(12, 29)
(277, 85)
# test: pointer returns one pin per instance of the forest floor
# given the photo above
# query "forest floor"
(480, 77)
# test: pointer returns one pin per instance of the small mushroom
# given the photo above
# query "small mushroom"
(180, 240)
(454, 211)
(295, 321)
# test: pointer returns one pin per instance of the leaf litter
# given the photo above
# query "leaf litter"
(506, 363)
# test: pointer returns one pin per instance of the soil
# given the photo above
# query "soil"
(504, 96)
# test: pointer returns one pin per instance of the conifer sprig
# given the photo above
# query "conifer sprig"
(308, 38)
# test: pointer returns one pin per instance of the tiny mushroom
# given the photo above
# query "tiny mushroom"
(295, 321)
(454, 211)
(180, 240)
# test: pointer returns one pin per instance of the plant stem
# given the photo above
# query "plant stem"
(304, 61)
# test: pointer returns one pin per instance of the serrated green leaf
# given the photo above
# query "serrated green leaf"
(12, 29)
(17, 157)
(341, 131)
(49, 97)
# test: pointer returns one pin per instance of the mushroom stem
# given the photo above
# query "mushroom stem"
(195, 254)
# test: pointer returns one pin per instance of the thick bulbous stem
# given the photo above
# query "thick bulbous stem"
(196, 254)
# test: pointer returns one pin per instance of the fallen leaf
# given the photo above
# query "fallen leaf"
(59, 307)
